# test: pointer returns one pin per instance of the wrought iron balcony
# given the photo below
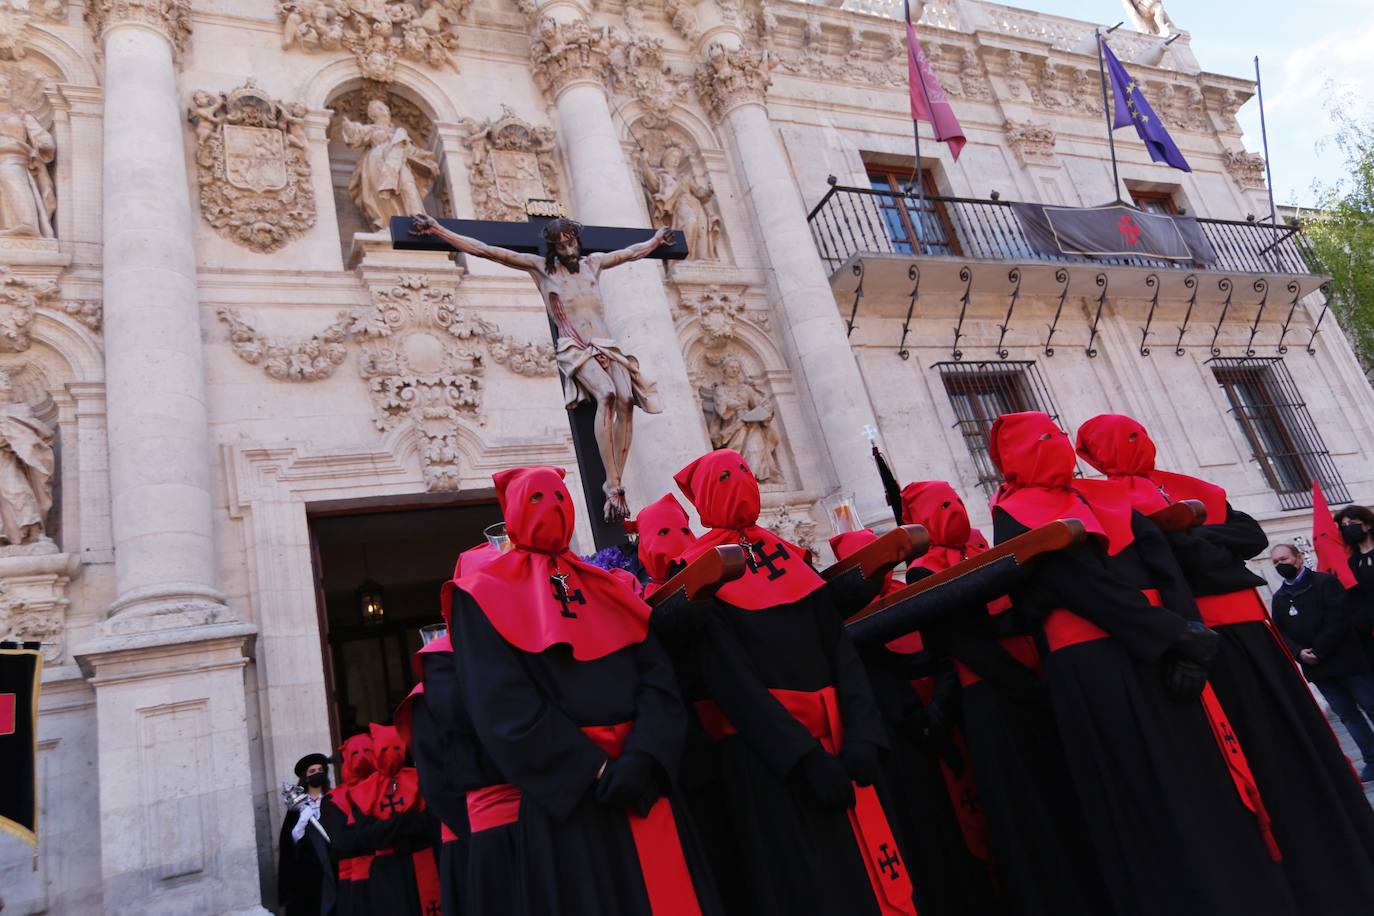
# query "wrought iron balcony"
(862, 221)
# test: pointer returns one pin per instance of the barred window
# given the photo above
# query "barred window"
(1285, 442)
(980, 392)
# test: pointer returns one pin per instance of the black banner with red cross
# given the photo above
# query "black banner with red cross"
(21, 671)
(1113, 231)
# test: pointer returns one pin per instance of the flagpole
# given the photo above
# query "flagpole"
(1106, 112)
(917, 175)
(1268, 174)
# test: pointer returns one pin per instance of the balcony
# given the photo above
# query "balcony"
(886, 247)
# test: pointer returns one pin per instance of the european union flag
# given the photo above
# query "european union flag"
(1131, 108)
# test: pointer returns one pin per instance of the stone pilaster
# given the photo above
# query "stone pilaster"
(732, 81)
(159, 438)
(175, 802)
(606, 192)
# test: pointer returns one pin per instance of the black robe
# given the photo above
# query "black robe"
(390, 885)
(305, 870)
(575, 855)
(1168, 828)
(1321, 819)
(946, 878)
(434, 748)
(801, 857)
(1041, 852)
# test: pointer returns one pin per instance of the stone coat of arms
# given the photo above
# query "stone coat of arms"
(254, 169)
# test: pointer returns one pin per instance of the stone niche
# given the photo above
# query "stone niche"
(351, 146)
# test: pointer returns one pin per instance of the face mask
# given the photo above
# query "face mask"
(1352, 533)
(317, 780)
(1287, 570)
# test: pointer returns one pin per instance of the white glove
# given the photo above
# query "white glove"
(302, 823)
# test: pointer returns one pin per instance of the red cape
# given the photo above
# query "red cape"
(726, 495)
(593, 611)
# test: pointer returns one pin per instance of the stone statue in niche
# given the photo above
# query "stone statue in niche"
(27, 200)
(739, 415)
(26, 468)
(394, 174)
(679, 199)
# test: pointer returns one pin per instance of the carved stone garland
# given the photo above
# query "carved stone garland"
(253, 167)
(512, 162)
(376, 32)
(307, 360)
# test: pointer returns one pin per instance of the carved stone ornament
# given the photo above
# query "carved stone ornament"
(253, 167)
(682, 16)
(638, 70)
(512, 162)
(564, 53)
(376, 32)
(15, 16)
(728, 78)
(718, 313)
(300, 360)
(423, 360)
(792, 523)
(1032, 143)
(1246, 168)
(33, 598)
(20, 297)
(171, 17)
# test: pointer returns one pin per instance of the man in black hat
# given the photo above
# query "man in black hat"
(305, 872)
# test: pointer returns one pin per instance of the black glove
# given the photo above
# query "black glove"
(626, 780)
(860, 760)
(678, 618)
(827, 779)
(1188, 660)
(851, 592)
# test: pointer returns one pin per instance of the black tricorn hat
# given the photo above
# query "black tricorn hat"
(308, 761)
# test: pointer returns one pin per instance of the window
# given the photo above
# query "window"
(982, 392)
(904, 219)
(1161, 202)
(1285, 441)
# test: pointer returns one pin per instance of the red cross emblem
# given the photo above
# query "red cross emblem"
(1129, 229)
(8, 702)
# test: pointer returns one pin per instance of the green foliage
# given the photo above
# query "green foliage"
(1342, 232)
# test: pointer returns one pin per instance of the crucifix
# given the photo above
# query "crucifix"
(565, 260)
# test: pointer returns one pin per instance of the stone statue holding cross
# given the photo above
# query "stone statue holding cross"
(590, 361)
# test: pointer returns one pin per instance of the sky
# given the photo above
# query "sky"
(1301, 46)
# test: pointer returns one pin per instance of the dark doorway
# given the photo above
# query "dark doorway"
(404, 556)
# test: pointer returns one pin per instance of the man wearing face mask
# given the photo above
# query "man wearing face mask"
(305, 873)
(1311, 610)
(1357, 531)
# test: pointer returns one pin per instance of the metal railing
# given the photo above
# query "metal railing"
(849, 221)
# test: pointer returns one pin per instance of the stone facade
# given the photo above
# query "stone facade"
(196, 310)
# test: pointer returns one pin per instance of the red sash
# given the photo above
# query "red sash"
(493, 806)
(819, 713)
(666, 878)
(962, 787)
(1239, 768)
(1065, 628)
(1234, 607)
(1021, 648)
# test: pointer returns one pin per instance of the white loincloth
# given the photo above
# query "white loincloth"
(573, 355)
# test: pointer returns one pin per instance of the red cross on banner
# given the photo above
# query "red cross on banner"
(8, 704)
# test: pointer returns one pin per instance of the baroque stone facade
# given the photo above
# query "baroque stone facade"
(212, 348)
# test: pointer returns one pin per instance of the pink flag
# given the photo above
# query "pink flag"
(1332, 557)
(928, 101)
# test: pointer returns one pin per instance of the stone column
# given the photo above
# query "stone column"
(175, 797)
(570, 64)
(158, 436)
(732, 82)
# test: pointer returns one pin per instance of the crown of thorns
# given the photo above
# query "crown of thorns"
(555, 228)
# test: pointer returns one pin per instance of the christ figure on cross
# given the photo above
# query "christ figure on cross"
(591, 363)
